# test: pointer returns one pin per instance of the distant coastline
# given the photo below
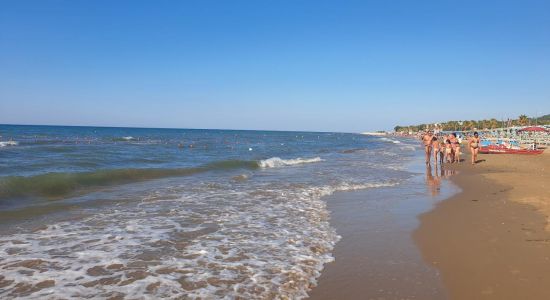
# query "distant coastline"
(468, 125)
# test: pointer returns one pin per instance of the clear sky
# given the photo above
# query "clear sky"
(287, 65)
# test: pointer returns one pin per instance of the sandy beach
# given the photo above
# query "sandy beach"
(487, 240)
(491, 241)
(377, 257)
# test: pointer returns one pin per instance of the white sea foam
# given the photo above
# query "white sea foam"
(8, 143)
(275, 162)
(128, 138)
(211, 242)
(385, 139)
(409, 148)
(362, 186)
(241, 177)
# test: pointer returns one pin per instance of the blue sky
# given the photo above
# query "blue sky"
(287, 65)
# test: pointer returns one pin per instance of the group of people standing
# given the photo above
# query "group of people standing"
(446, 148)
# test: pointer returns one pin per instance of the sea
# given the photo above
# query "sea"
(99, 212)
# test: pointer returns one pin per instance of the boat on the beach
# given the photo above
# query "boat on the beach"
(502, 149)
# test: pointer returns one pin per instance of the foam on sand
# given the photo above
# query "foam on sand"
(267, 242)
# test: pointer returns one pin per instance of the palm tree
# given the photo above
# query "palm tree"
(469, 125)
(523, 120)
(453, 125)
(493, 123)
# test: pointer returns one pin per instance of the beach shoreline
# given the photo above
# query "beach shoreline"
(88, 219)
(491, 241)
(483, 237)
(376, 257)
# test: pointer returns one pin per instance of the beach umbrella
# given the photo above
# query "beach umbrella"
(534, 129)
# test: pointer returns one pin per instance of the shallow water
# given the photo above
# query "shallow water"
(377, 257)
(165, 213)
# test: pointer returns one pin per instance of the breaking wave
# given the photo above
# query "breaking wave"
(275, 162)
(59, 185)
(8, 143)
(385, 139)
(124, 139)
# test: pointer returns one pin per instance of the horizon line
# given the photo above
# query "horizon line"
(172, 128)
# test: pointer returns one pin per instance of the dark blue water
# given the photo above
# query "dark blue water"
(240, 212)
(43, 149)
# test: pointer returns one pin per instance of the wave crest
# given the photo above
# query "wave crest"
(385, 139)
(124, 139)
(275, 162)
(8, 143)
(59, 185)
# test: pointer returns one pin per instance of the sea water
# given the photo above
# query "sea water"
(96, 212)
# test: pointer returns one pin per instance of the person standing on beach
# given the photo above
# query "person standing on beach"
(435, 148)
(458, 143)
(441, 150)
(427, 141)
(474, 146)
(448, 151)
(456, 147)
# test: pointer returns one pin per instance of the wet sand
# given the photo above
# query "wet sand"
(485, 236)
(491, 240)
(377, 257)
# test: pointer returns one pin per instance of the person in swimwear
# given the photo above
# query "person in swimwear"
(474, 146)
(435, 148)
(449, 138)
(441, 151)
(448, 151)
(456, 148)
(427, 141)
